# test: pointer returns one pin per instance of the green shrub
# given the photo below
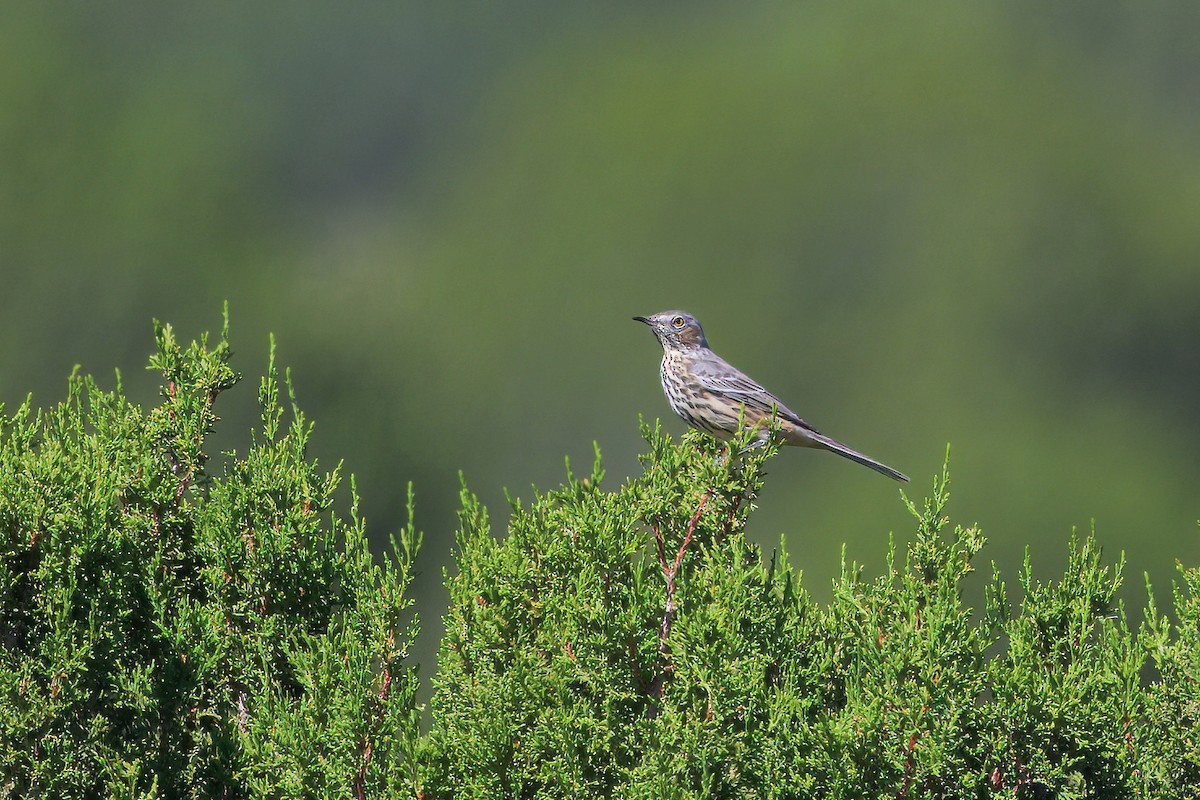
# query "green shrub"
(634, 644)
(167, 632)
(170, 632)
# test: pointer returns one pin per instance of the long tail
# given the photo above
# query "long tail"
(837, 447)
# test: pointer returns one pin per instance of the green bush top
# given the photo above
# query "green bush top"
(633, 643)
(167, 630)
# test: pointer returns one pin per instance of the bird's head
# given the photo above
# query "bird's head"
(676, 330)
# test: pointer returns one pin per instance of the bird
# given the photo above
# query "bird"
(709, 393)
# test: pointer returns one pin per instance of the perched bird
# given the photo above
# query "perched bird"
(709, 393)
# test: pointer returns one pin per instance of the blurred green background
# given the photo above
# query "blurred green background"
(919, 224)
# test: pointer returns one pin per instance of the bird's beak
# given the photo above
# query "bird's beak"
(643, 319)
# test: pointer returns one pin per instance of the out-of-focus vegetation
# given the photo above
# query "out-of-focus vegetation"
(917, 224)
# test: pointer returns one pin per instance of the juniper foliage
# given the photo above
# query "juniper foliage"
(169, 632)
(633, 643)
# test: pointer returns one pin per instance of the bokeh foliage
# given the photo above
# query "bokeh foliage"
(917, 223)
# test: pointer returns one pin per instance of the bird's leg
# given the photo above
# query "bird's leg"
(752, 445)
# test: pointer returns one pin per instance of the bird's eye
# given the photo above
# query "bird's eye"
(677, 322)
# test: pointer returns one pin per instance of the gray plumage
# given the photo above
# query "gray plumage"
(709, 393)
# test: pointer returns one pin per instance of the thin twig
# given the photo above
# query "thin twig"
(670, 572)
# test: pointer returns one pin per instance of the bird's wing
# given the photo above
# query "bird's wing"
(717, 375)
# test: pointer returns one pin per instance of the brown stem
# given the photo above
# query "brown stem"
(669, 572)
